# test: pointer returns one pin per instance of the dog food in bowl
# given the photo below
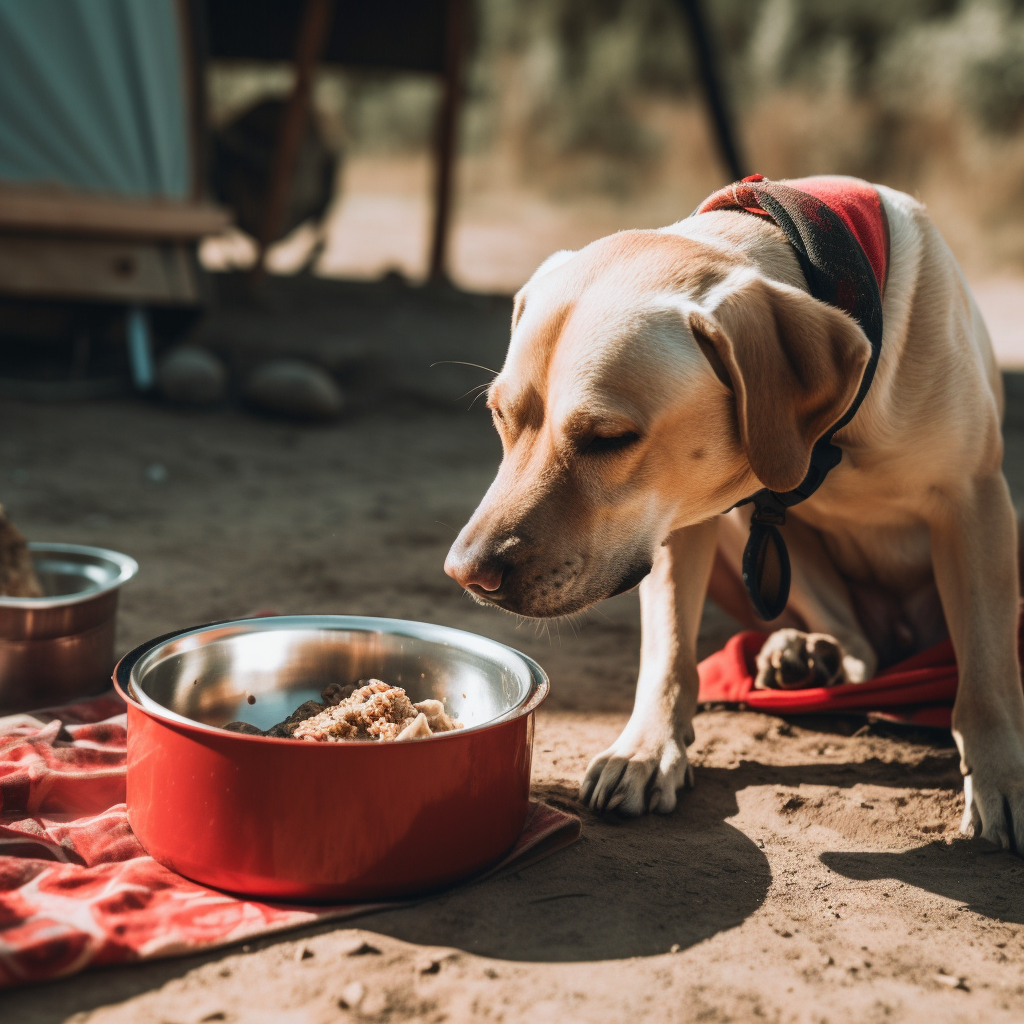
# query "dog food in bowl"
(367, 710)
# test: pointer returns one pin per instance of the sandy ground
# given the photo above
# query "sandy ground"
(814, 874)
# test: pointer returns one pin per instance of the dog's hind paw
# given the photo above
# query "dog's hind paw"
(634, 779)
(793, 660)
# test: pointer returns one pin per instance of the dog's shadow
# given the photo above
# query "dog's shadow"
(626, 888)
(979, 880)
(973, 874)
(639, 887)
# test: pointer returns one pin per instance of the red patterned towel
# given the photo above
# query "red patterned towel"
(918, 691)
(78, 890)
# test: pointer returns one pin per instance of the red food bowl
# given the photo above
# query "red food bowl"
(343, 821)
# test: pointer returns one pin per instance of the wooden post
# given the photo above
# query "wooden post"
(312, 38)
(447, 136)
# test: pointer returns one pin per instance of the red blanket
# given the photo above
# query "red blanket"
(78, 890)
(919, 691)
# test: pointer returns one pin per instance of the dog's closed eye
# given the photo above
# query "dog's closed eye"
(606, 445)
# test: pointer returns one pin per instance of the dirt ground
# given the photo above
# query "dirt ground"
(813, 875)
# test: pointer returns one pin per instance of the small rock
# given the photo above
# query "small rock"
(192, 376)
(674, 948)
(952, 981)
(363, 949)
(432, 963)
(303, 953)
(295, 389)
(352, 995)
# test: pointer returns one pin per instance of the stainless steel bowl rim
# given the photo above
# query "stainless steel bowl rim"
(128, 567)
(447, 635)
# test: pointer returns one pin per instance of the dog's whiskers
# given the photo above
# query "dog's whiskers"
(460, 362)
(475, 397)
(476, 387)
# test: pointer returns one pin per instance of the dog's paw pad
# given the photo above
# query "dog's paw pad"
(793, 660)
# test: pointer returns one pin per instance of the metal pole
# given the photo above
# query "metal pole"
(140, 347)
(447, 136)
(717, 107)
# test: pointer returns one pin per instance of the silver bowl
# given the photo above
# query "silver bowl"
(260, 670)
(60, 647)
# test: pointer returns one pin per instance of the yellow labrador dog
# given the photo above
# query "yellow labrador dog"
(657, 378)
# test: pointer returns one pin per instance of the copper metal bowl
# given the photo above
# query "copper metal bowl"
(287, 819)
(60, 647)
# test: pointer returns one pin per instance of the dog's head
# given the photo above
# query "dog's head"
(651, 382)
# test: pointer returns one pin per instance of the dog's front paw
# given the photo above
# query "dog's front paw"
(632, 777)
(994, 791)
(793, 660)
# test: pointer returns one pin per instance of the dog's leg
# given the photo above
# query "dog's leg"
(644, 767)
(974, 537)
(831, 647)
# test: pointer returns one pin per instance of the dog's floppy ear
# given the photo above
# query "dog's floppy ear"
(794, 365)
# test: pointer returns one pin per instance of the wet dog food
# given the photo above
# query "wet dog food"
(367, 710)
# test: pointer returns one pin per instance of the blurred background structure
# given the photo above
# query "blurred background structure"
(584, 117)
(102, 181)
(580, 118)
(456, 141)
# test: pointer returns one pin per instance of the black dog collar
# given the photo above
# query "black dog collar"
(838, 272)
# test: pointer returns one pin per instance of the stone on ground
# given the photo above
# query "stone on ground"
(192, 376)
(289, 387)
